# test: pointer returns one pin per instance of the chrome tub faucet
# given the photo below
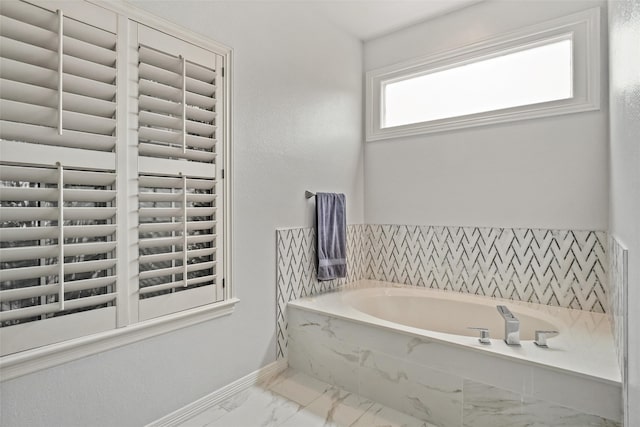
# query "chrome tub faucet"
(511, 326)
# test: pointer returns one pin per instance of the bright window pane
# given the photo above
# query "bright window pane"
(530, 76)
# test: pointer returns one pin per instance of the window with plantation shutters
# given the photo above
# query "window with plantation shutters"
(178, 177)
(112, 192)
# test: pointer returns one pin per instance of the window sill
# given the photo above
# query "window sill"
(26, 362)
(538, 111)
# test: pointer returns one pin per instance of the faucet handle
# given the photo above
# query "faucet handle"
(541, 338)
(484, 335)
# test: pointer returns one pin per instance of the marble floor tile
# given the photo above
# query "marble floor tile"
(256, 407)
(335, 408)
(381, 416)
(206, 417)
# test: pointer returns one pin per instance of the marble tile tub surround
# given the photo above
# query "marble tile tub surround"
(565, 268)
(444, 384)
(584, 345)
(487, 406)
(618, 259)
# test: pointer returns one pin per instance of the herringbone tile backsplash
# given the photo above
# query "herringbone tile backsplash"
(564, 268)
(296, 271)
(561, 268)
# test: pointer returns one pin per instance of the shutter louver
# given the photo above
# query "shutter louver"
(63, 97)
(57, 247)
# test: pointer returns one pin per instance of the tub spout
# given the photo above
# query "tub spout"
(511, 326)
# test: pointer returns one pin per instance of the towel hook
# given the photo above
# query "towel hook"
(308, 194)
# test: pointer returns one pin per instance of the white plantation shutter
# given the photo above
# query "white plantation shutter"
(179, 189)
(166, 109)
(57, 246)
(178, 244)
(58, 79)
(57, 176)
(111, 211)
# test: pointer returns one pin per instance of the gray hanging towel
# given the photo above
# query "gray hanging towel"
(331, 235)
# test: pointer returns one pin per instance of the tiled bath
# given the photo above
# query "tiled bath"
(431, 381)
(440, 383)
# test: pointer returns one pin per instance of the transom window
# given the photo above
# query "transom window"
(530, 76)
(548, 69)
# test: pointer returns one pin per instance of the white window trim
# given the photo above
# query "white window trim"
(29, 361)
(584, 29)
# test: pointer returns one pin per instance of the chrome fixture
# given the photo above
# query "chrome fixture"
(541, 338)
(484, 335)
(511, 326)
(308, 194)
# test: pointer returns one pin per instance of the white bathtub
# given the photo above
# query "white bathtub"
(446, 312)
(378, 335)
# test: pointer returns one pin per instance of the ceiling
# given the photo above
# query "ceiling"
(367, 19)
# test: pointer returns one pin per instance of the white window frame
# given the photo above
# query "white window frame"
(583, 28)
(128, 328)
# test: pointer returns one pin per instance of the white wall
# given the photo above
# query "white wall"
(298, 125)
(547, 173)
(624, 31)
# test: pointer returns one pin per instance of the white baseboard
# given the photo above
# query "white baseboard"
(194, 408)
